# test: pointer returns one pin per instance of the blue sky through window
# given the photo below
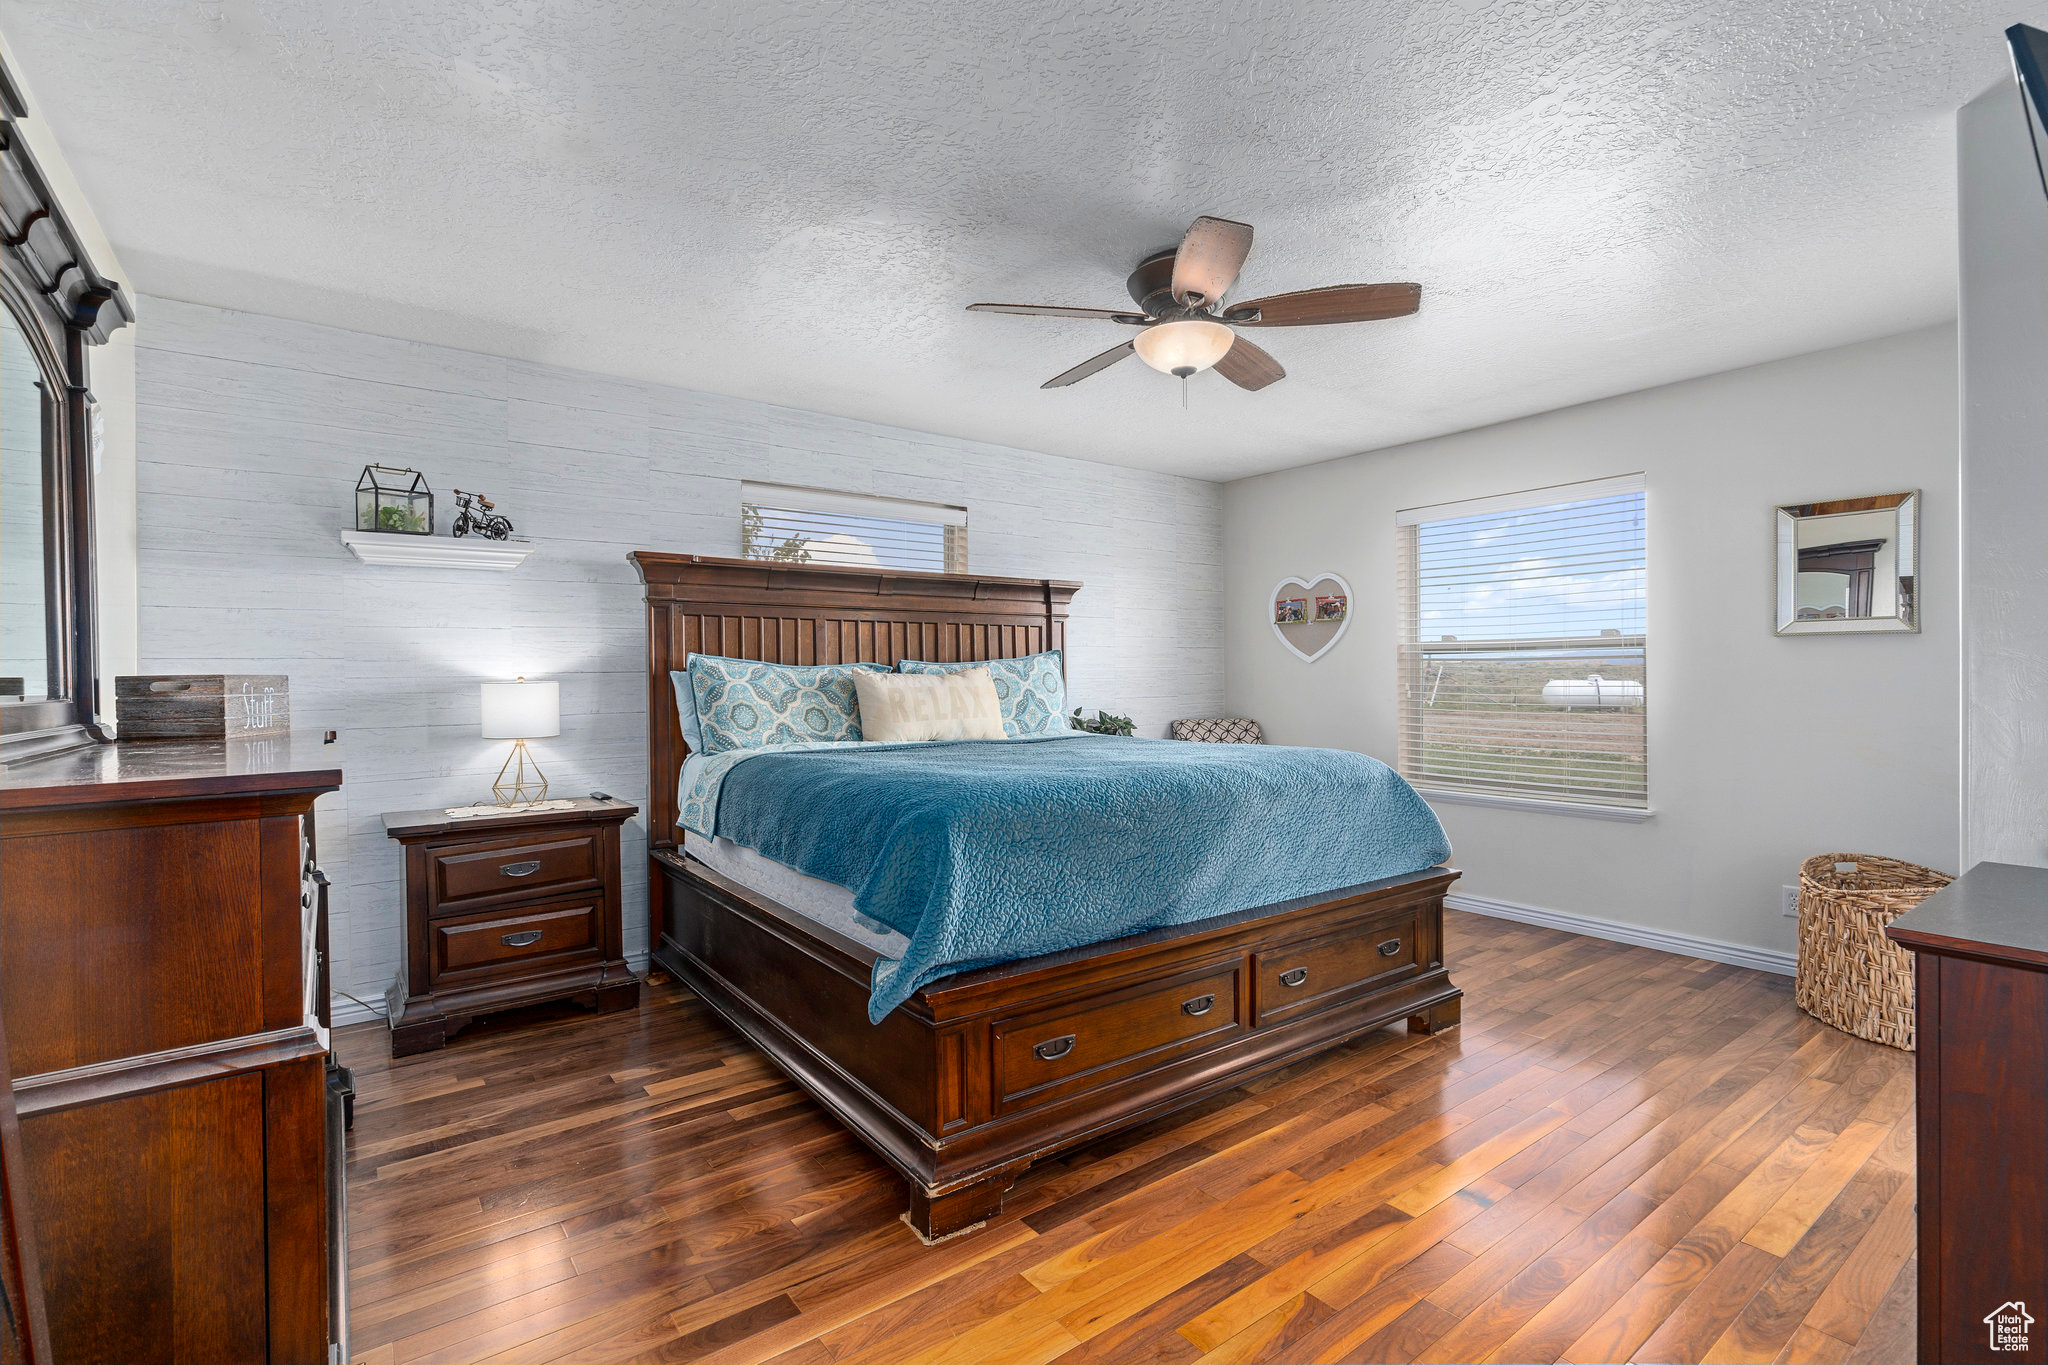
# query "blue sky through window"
(1570, 570)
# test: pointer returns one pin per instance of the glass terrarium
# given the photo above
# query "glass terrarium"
(397, 500)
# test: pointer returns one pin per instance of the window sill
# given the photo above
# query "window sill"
(1632, 815)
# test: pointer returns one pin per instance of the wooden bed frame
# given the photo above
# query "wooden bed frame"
(979, 1074)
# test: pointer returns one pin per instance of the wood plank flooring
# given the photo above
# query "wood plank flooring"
(1621, 1155)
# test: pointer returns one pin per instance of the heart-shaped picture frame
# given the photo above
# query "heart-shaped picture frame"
(1309, 615)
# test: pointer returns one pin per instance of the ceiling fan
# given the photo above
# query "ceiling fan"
(1186, 329)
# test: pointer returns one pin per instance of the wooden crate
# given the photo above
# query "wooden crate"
(203, 705)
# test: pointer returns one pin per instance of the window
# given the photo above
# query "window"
(1522, 646)
(808, 526)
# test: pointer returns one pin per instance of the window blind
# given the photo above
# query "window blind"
(1523, 645)
(813, 526)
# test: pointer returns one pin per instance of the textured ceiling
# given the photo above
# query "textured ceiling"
(793, 202)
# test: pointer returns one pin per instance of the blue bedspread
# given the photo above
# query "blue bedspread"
(982, 851)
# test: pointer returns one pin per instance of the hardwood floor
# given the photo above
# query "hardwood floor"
(1621, 1155)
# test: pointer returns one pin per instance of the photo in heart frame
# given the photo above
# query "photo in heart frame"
(1309, 615)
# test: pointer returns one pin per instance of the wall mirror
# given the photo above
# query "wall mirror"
(1849, 566)
(25, 620)
(55, 307)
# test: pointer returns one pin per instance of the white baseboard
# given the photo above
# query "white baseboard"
(345, 1011)
(1663, 940)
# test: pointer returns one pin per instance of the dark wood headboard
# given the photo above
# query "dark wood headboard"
(812, 614)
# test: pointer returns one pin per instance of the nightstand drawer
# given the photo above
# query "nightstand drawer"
(534, 865)
(490, 943)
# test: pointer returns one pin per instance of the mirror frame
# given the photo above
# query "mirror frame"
(63, 306)
(1785, 568)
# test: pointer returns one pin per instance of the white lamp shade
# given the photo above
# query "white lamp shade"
(522, 710)
(1184, 347)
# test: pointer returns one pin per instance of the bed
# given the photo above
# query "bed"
(979, 1072)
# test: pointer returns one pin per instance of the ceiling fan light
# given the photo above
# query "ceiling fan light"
(1184, 347)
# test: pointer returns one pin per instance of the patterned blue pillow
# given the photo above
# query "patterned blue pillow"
(744, 704)
(1032, 690)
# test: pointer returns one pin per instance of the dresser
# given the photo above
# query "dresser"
(505, 909)
(1980, 978)
(158, 983)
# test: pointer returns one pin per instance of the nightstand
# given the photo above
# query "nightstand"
(509, 909)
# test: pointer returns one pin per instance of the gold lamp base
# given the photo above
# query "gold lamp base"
(528, 785)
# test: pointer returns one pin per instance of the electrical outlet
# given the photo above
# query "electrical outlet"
(1789, 902)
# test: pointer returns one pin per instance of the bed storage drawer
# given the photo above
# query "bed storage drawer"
(1054, 1052)
(1298, 978)
(478, 945)
(513, 867)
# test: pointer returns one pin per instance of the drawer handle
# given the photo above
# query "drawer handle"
(1201, 1004)
(1295, 977)
(531, 936)
(1390, 947)
(520, 869)
(1052, 1049)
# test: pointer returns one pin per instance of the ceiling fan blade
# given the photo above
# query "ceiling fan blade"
(1336, 303)
(1054, 310)
(1209, 258)
(1248, 366)
(1089, 366)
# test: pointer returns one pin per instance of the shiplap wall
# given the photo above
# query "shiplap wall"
(252, 430)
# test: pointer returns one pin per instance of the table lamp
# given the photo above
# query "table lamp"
(520, 711)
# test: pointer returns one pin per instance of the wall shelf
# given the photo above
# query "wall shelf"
(435, 552)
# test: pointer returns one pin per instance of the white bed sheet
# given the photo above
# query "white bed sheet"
(825, 902)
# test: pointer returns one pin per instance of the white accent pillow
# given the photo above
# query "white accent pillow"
(900, 708)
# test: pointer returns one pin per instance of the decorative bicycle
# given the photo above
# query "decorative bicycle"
(473, 513)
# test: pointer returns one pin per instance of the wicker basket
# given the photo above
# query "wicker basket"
(1850, 974)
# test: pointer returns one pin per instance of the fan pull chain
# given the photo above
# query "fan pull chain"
(1183, 393)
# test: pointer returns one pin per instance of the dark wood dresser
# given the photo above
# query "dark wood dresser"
(504, 910)
(1981, 983)
(157, 984)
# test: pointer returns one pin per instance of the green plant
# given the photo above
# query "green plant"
(1104, 723)
(755, 543)
(391, 517)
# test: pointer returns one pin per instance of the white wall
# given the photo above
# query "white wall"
(253, 431)
(111, 369)
(2004, 336)
(1763, 750)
